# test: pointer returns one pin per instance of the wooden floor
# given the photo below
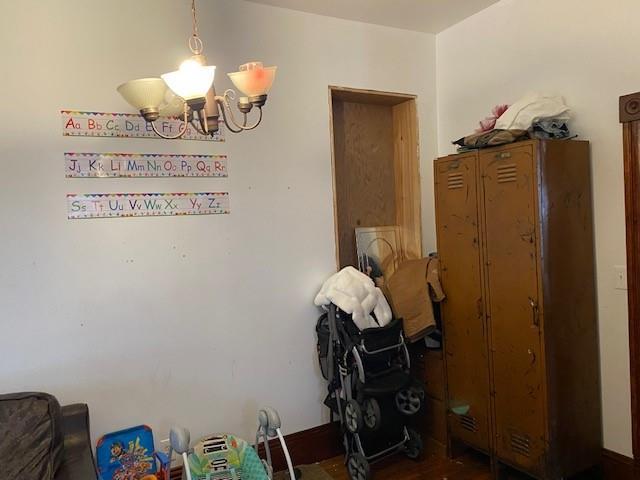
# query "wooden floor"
(469, 466)
(466, 467)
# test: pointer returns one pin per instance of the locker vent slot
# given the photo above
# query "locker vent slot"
(455, 180)
(521, 444)
(468, 423)
(507, 173)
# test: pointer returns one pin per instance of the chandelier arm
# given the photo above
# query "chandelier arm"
(227, 114)
(222, 106)
(182, 131)
(258, 122)
(197, 127)
(231, 94)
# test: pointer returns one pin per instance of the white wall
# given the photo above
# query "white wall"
(586, 51)
(191, 320)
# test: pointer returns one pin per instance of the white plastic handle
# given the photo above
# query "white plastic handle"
(185, 460)
(286, 454)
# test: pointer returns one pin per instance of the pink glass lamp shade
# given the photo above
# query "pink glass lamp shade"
(253, 79)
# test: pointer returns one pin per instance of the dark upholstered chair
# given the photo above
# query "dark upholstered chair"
(39, 440)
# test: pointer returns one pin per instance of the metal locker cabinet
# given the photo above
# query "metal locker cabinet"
(568, 311)
(509, 199)
(462, 311)
(520, 239)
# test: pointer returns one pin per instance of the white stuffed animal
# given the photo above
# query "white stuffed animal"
(355, 293)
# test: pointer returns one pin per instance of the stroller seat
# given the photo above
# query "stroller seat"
(389, 382)
(382, 337)
(382, 360)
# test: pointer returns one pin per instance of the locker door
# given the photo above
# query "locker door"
(509, 182)
(463, 318)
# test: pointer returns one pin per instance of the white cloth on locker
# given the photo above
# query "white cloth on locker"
(355, 293)
(531, 108)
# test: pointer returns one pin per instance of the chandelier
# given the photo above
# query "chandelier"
(189, 93)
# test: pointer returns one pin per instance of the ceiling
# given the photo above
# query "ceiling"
(430, 16)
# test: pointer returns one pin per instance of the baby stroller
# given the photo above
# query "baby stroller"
(370, 389)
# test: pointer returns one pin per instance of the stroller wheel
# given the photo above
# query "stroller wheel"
(371, 413)
(353, 416)
(414, 446)
(358, 467)
(409, 400)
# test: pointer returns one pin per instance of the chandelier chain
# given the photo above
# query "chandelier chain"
(195, 43)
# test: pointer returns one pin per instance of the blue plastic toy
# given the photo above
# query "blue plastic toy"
(130, 455)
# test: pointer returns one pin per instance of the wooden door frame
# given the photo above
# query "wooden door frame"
(630, 118)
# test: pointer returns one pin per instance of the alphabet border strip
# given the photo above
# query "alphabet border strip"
(109, 205)
(128, 165)
(126, 125)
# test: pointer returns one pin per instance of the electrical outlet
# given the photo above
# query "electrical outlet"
(620, 272)
(164, 448)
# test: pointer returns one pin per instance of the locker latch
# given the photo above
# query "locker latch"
(534, 312)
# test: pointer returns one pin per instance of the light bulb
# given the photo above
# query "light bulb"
(191, 80)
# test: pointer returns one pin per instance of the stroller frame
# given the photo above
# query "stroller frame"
(346, 372)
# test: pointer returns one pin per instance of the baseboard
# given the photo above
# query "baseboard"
(176, 473)
(618, 467)
(308, 446)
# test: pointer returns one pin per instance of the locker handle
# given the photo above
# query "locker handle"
(503, 155)
(532, 355)
(534, 312)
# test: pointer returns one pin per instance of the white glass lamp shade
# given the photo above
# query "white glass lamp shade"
(253, 79)
(191, 80)
(173, 105)
(144, 93)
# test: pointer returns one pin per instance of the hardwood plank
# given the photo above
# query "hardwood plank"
(364, 172)
(369, 96)
(337, 144)
(432, 467)
(407, 178)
